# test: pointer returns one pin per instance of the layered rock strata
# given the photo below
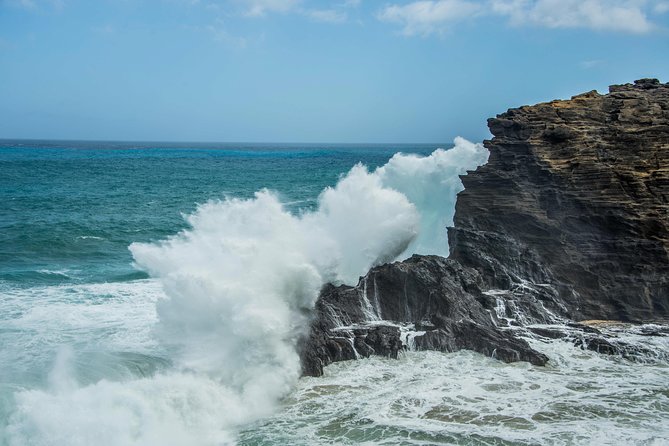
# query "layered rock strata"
(569, 220)
(575, 199)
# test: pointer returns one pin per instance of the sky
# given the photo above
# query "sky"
(343, 71)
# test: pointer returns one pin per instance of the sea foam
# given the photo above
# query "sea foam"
(239, 285)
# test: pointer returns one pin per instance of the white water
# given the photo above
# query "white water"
(428, 398)
(238, 286)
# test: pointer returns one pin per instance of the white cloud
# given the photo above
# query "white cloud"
(429, 17)
(34, 5)
(257, 8)
(326, 15)
(661, 7)
(335, 14)
(434, 17)
(28, 4)
(613, 15)
(219, 34)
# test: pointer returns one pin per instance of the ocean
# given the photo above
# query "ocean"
(153, 294)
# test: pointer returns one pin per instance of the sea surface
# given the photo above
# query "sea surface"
(152, 294)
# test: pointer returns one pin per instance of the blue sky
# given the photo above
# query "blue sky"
(307, 70)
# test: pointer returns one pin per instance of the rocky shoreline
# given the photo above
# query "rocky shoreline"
(568, 221)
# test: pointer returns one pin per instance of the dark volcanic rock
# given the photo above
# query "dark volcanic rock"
(468, 335)
(428, 293)
(575, 198)
(569, 220)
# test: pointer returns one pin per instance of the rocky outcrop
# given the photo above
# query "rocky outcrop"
(569, 220)
(574, 203)
(423, 303)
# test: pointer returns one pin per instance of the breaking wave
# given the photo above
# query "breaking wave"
(239, 285)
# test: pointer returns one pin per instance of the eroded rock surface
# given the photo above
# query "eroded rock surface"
(575, 199)
(423, 303)
(568, 221)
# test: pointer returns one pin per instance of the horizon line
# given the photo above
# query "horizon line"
(148, 141)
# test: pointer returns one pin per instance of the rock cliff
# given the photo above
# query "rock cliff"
(569, 220)
(575, 200)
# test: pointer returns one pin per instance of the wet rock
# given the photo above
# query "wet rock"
(551, 333)
(384, 341)
(655, 331)
(584, 328)
(614, 347)
(568, 220)
(597, 344)
(452, 336)
(428, 293)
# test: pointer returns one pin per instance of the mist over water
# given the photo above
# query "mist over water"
(238, 286)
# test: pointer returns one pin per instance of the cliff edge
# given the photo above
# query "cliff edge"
(575, 197)
(568, 220)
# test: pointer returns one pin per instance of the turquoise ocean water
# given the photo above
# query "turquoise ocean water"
(71, 209)
(199, 350)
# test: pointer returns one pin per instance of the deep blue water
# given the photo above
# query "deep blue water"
(70, 209)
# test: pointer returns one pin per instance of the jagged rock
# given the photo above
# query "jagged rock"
(550, 333)
(597, 344)
(655, 331)
(467, 335)
(584, 328)
(575, 197)
(384, 341)
(430, 293)
(568, 220)
(615, 347)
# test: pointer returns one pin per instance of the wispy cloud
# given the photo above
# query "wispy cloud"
(218, 32)
(661, 7)
(436, 16)
(34, 5)
(259, 8)
(429, 17)
(612, 15)
(336, 12)
(326, 15)
(25, 4)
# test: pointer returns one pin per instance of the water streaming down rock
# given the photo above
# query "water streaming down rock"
(434, 295)
(568, 220)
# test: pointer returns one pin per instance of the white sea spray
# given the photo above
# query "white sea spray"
(239, 285)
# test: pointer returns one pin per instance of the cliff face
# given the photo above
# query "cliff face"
(569, 220)
(575, 199)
